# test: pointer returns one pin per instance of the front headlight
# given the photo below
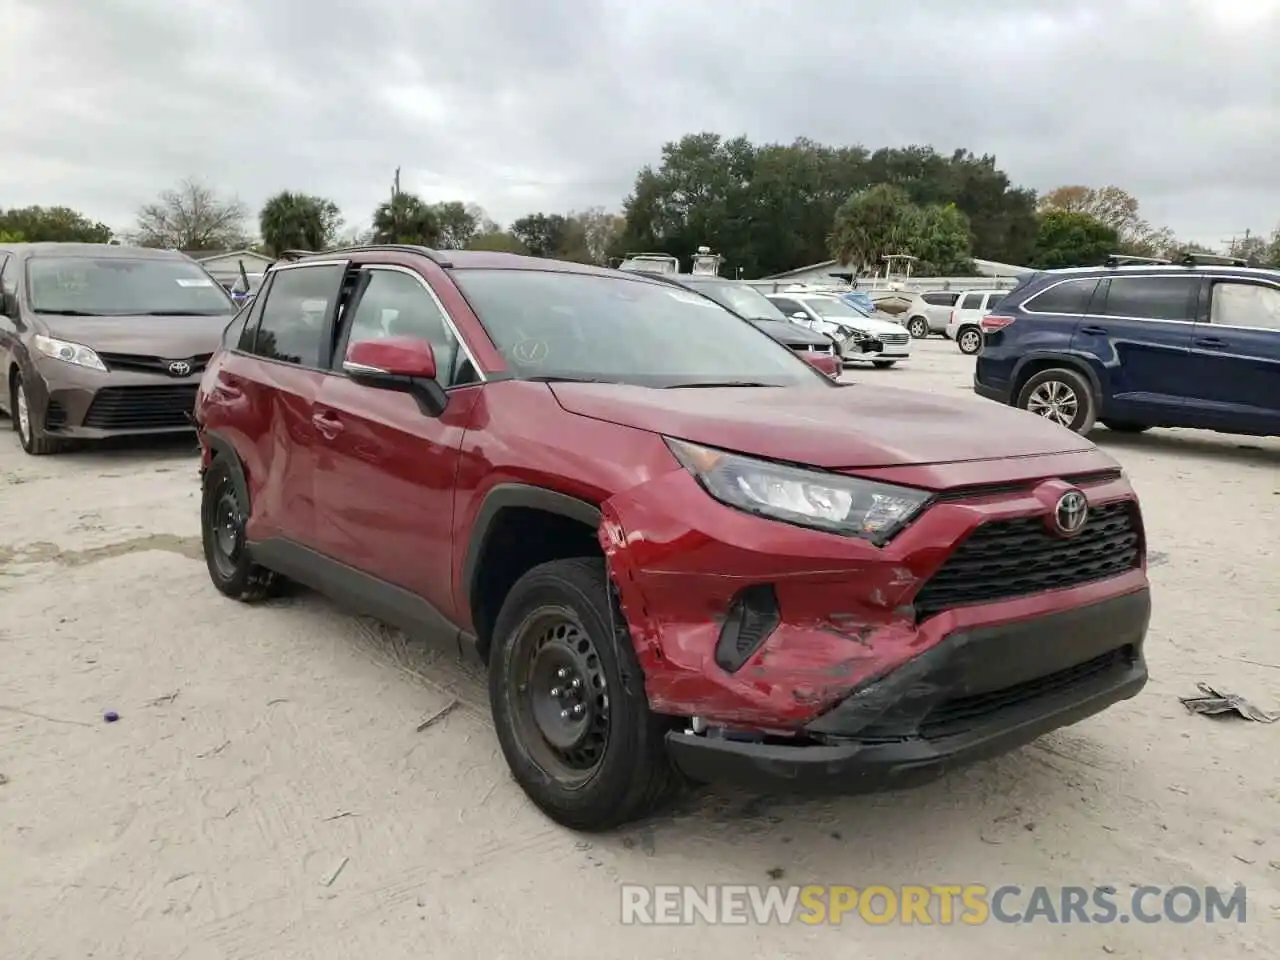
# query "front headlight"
(69, 352)
(824, 501)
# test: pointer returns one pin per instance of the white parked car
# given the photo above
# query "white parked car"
(965, 326)
(861, 337)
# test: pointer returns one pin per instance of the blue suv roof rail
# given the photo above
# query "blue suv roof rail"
(1122, 260)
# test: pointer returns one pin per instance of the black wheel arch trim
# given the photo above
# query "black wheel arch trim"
(222, 447)
(1072, 361)
(516, 495)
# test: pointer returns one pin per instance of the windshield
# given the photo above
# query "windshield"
(745, 301)
(834, 307)
(123, 286)
(557, 325)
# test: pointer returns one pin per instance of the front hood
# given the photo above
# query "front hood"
(831, 427)
(872, 325)
(166, 337)
(786, 332)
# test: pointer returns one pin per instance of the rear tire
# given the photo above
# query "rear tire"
(1062, 396)
(918, 327)
(222, 526)
(969, 340)
(569, 703)
(1121, 426)
(30, 433)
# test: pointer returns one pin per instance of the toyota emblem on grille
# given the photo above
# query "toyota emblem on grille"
(179, 368)
(1071, 512)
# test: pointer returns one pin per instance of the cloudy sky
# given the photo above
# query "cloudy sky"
(525, 105)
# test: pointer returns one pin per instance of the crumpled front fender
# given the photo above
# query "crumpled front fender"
(678, 559)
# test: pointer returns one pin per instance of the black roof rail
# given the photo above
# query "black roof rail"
(1211, 260)
(290, 256)
(1123, 260)
(435, 256)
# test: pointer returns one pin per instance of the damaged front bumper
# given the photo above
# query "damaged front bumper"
(976, 695)
(855, 671)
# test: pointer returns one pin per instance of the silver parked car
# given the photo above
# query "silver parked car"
(929, 313)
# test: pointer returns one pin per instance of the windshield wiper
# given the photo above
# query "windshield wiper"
(721, 383)
(553, 378)
(181, 312)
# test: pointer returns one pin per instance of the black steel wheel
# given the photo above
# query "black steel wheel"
(564, 694)
(568, 701)
(223, 513)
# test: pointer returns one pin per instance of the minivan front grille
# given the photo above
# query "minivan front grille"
(142, 408)
(146, 364)
(1003, 559)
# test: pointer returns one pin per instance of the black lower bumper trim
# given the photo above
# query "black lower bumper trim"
(886, 741)
(998, 394)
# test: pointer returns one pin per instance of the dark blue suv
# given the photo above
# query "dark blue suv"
(1140, 343)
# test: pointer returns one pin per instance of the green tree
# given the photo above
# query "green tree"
(872, 224)
(1072, 239)
(543, 235)
(297, 221)
(499, 241)
(460, 223)
(769, 208)
(942, 241)
(8, 237)
(405, 218)
(52, 224)
(192, 217)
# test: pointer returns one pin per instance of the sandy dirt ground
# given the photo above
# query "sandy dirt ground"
(266, 791)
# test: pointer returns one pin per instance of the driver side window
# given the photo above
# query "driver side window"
(397, 304)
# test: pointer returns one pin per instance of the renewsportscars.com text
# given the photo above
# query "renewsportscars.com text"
(930, 904)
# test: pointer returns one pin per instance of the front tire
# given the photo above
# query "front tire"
(1062, 396)
(918, 327)
(969, 340)
(31, 434)
(222, 529)
(1122, 426)
(569, 703)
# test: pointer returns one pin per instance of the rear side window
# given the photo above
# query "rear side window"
(787, 306)
(295, 314)
(1071, 297)
(1152, 298)
(939, 299)
(1246, 305)
(971, 301)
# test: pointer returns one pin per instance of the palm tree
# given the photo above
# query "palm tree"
(405, 218)
(296, 221)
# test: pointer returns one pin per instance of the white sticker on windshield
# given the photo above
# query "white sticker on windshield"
(690, 298)
(196, 282)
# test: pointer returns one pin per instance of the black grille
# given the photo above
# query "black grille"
(144, 364)
(142, 408)
(961, 714)
(1014, 558)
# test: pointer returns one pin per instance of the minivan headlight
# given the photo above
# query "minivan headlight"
(68, 352)
(848, 506)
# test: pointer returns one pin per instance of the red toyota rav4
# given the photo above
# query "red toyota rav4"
(683, 552)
